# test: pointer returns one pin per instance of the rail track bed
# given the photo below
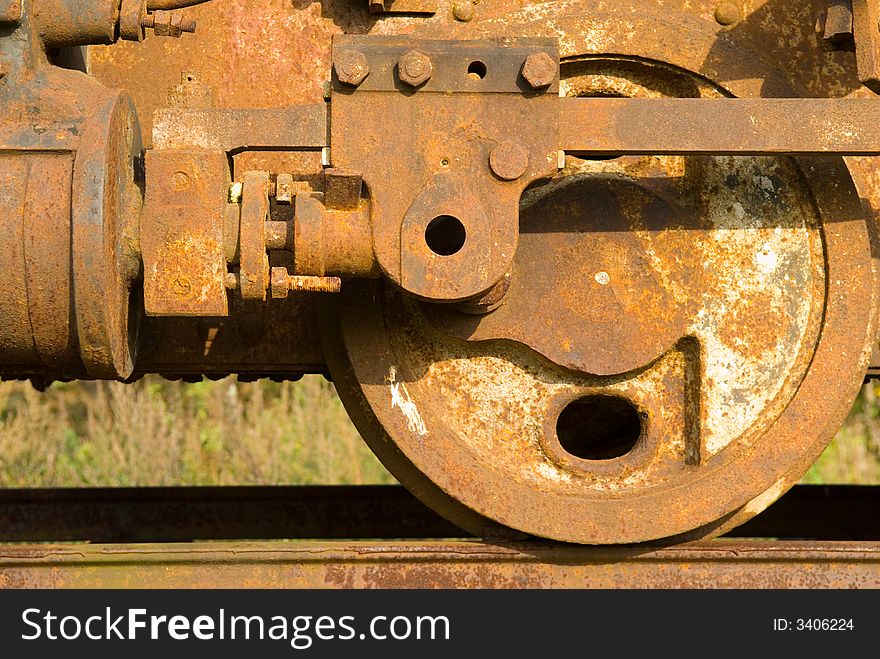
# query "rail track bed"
(377, 536)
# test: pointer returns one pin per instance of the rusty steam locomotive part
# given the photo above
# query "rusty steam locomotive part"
(605, 288)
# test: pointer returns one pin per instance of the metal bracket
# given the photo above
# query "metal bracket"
(854, 25)
(447, 135)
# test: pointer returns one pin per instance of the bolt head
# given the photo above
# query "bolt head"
(463, 11)
(509, 160)
(728, 13)
(540, 70)
(351, 67)
(415, 68)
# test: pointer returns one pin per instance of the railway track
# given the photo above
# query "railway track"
(380, 536)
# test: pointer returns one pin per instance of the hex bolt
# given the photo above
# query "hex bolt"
(415, 68)
(351, 67)
(540, 70)
(283, 283)
(509, 160)
(168, 23)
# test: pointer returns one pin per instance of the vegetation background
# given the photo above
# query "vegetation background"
(155, 432)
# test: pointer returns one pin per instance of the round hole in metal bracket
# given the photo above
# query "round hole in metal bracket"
(477, 70)
(444, 162)
(599, 427)
(445, 235)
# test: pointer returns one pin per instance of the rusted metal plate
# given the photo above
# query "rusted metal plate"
(866, 34)
(439, 564)
(253, 260)
(303, 127)
(690, 126)
(443, 132)
(182, 233)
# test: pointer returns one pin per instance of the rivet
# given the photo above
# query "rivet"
(728, 13)
(463, 11)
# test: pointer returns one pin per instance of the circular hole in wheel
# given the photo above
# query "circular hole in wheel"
(477, 70)
(599, 427)
(445, 235)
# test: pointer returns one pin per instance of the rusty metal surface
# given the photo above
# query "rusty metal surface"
(459, 101)
(719, 328)
(182, 233)
(73, 210)
(303, 127)
(442, 564)
(725, 304)
(669, 126)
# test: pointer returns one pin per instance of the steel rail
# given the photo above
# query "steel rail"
(443, 564)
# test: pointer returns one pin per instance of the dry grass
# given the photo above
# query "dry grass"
(222, 433)
(164, 433)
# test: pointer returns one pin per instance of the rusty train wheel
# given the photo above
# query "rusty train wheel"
(680, 340)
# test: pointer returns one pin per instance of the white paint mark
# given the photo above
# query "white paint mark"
(760, 502)
(766, 259)
(400, 399)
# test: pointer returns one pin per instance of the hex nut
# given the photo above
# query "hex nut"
(415, 68)
(351, 67)
(540, 70)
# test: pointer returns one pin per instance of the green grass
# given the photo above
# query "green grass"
(156, 432)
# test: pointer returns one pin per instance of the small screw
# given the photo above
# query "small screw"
(351, 67)
(283, 283)
(415, 68)
(540, 70)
